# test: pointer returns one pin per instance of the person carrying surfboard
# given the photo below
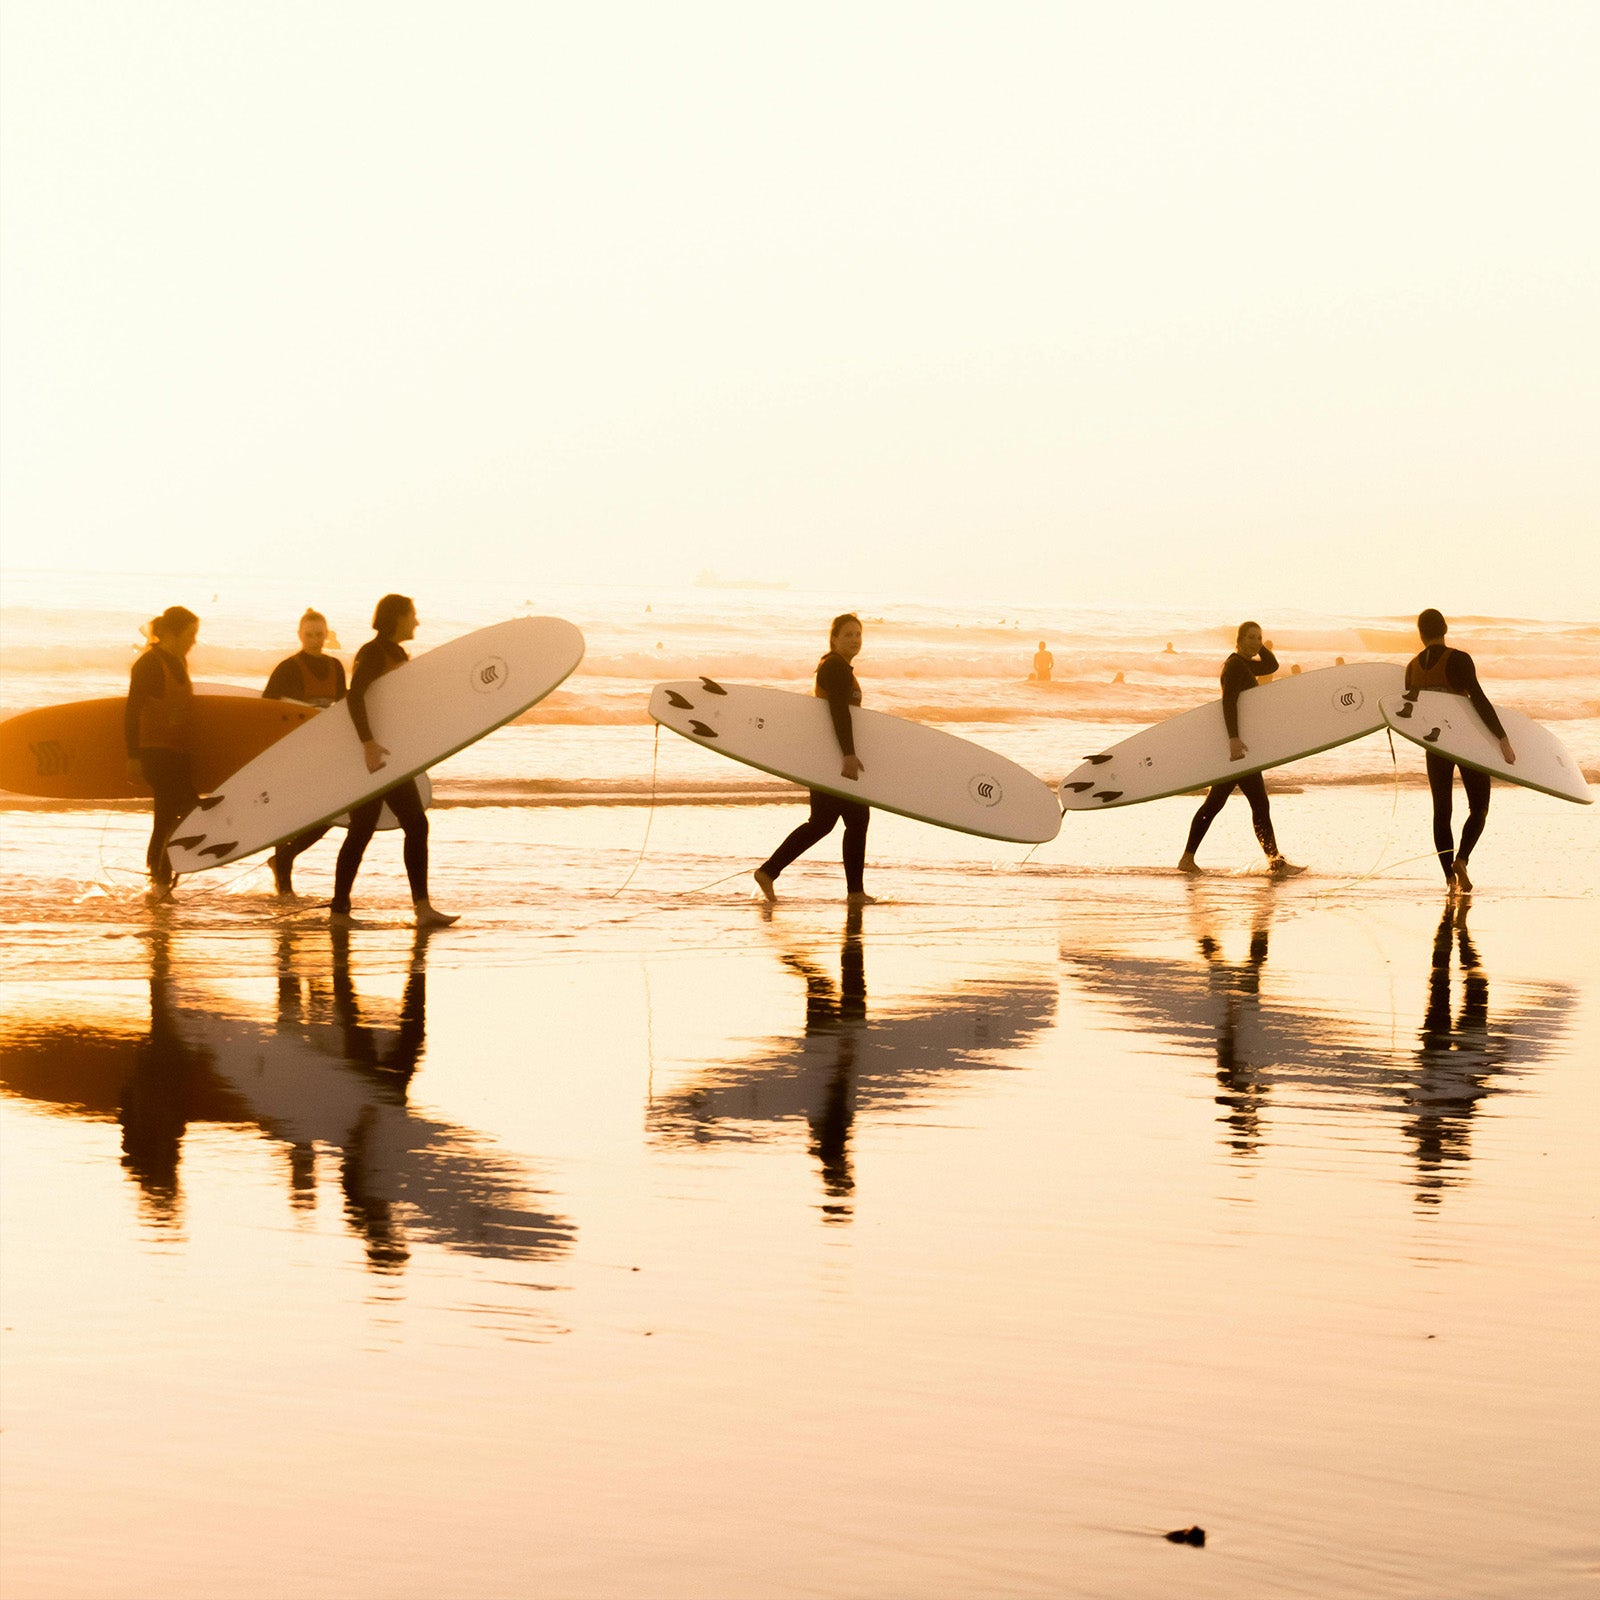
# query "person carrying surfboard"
(156, 729)
(394, 620)
(315, 679)
(1438, 666)
(1252, 659)
(836, 683)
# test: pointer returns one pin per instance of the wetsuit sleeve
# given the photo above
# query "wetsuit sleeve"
(370, 666)
(282, 685)
(339, 690)
(145, 682)
(1463, 678)
(833, 683)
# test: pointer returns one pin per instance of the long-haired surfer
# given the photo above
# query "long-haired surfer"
(394, 620)
(156, 728)
(1251, 659)
(1438, 666)
(836, 683)
(315, 679)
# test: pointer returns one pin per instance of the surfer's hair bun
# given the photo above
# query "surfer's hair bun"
(172, 622)
(389, 611)
(1431, 624)
(311, 614)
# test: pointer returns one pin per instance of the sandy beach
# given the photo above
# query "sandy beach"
(654, 1245)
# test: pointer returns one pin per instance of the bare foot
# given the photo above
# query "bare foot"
(764, 884)
(860, 898)
(1187, 863)
(427, 917)
(1462, 881)
(1280, 868)
(160, 895)
(345, 919)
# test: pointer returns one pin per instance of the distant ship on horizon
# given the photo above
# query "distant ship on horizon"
(713, 580)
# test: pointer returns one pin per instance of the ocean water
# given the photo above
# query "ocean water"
(630, 1239)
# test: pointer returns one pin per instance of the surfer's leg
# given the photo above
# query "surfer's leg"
(1477, 787)
(856, 817)
(167, 773)
(1254, 789)
(405, 800)
(363, 824)
(284, 857)
(825, 811)
(1440, 773)
(1216, 798)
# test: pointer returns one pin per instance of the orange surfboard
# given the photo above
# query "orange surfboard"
(76, 751)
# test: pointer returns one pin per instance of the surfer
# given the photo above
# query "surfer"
(394, 620)
(1043, 664)
(836, 683)
(1438, 666)
(156, 732)
(1251, 660)
(315, 679)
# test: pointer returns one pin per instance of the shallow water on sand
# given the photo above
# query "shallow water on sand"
(648, 1244)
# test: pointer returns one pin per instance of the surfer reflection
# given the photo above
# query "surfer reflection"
(1455, 1058)
(836, 683)
(1438, 666)
(1252, 661)
(159, 1099)
(1236, 989)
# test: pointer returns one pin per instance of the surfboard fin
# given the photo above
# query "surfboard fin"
(701, 729)
(1094, 761)
(676, 699)
(186, 844)
(713, 687)
(220, 850)
(211, 800)
(1109, 794)
(1429, 738)
(1407, 708)
(1078, 788)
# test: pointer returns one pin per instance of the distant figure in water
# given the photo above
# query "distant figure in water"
(393, 622)
(315, 679)
(1251, 660)
(1294, 671)
(156, 728)
(836, 683)
(1169, 651)
(1043, 664)
(1438, 666)
(1338, 661)
(1118, 679)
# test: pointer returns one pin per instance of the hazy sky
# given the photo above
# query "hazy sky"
(1264, 304)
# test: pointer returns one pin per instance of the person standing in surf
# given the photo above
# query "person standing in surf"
(1438, 666)
(836, 683)
(1251, 659)
(156, 727)
(394, 620)
(314, 679)
(1043, 663)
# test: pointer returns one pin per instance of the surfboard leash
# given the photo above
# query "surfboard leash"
(650, 817)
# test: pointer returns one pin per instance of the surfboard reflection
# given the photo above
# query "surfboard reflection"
(324, 1078)
(1262, 1044)
(844, 1064)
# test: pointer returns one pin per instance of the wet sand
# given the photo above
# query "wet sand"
(649, 1245)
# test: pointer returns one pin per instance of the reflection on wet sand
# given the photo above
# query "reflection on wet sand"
(322, 1076)
(844, 1064)
(1260, 1042)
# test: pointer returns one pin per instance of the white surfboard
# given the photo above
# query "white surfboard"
(421, 712)
(916, 771)
(1281, 721)
(1438, 720)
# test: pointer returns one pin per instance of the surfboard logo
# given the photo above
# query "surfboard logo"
(986, 791)
(50, 759)
(489, 674)
(1349, 698)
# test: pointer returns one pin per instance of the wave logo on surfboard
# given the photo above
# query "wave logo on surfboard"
(1349, 698)
(985, 790)
(50, 759)
(490, 674)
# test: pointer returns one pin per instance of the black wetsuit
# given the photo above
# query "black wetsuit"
(1460, 677)
(836, 683)
(318, 681)
(1238, 674)
(376, 657)
(156, 732)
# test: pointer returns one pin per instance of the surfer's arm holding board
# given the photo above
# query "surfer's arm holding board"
(836, 683)
(1239, 672)
(373, 659)
(1462, 677)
